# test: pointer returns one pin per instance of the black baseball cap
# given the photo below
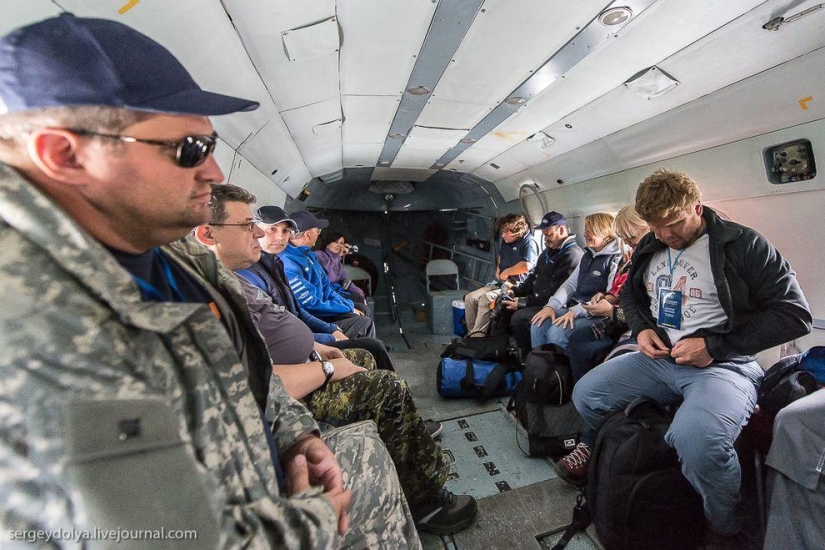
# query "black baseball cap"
(270, 215)
(71, 61)
(307, 220)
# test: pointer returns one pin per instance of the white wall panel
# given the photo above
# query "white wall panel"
(17, 13)
(357, 155)
(725, 57)
(503, 45)
(452, 114)
(273, 149)
(260, 23)
(245, 175)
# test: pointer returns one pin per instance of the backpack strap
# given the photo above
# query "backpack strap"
(468, 382)
(496, 377)
(581, 520)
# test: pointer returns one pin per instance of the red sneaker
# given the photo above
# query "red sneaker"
(573, 467)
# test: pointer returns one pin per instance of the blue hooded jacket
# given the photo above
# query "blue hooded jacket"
(310, 284)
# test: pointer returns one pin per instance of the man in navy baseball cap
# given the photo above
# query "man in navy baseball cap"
(125, 341)
(68, 60)
(550, 219)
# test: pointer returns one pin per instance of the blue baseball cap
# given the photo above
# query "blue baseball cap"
(550, 219)
(72, 61)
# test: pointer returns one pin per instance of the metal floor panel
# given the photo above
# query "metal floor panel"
(486, 460)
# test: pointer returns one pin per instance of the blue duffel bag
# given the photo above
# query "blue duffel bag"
(465, 377)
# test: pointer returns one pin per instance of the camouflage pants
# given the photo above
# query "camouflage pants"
(383, 397)
(379, 516)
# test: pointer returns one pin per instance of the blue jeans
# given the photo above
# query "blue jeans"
(717, 401)
(548, 333)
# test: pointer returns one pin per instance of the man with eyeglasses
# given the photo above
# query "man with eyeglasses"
(131, 385)
(308, 278)
(335, 387)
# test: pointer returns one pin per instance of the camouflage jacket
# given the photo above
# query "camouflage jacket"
(75, 335)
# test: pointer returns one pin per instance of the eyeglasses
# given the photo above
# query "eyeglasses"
(190, 151)
(250, 226)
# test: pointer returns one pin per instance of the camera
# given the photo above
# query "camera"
(498, 306)
(353, 249)
(608, 327)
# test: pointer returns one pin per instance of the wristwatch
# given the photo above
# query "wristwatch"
(329, 371)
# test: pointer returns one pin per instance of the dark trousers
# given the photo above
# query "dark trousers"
(354, 326)
(520, 325)
(586, 350)
(372, 345)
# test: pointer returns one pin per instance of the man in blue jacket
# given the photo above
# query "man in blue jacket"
(307, 277)
(703, 297)
(268, 275)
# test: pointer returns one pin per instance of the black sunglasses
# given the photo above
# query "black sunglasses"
(190, 151)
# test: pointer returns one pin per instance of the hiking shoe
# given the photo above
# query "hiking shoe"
(445, 513)
(434, 427)
(573, 467)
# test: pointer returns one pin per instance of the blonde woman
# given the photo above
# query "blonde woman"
(589, 344)
(593, 277)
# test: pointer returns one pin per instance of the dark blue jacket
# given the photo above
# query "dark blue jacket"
(552, 269)
(268, 275)
(757, 289)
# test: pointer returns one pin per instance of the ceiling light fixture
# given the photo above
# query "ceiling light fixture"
(615, 16)
(398, 136)
(467, 140)
(419, 90)
(515, 100)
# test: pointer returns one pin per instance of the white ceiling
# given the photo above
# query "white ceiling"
(331, 74)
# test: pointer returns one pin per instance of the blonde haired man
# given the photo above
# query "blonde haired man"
(703, 297)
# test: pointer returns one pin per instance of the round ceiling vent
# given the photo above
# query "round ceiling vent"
(615, 16)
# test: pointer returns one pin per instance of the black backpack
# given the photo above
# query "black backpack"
(784, 383)
(543, 406)
(636, 492)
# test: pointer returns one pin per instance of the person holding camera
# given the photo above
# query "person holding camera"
(330, 251)
(589, 344)
(517, 253)
(560, 257)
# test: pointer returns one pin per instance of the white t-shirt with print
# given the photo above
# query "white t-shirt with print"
(692, 276)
